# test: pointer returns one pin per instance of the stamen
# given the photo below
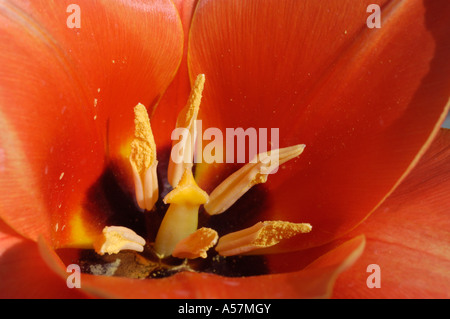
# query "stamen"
(181, 218)
(255, 172)
(143, 160)
(182, 154)
(197, 244)
(260, 235)
(117, 238)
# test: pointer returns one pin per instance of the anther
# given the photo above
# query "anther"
(261, 235)
(117, 238)
(182, 154)
(197, 244)
(143, 160)
(255, 172)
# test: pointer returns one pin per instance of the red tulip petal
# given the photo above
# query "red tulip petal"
(315, 281)
(164, 115)
(408, 236)
(67, 103)
(40, 112)
(364, 101)
(23, 273)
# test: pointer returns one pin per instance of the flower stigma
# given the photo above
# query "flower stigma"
(177, 243)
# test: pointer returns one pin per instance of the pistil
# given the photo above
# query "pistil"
(255, 172)
(181, 218)
(143, 160)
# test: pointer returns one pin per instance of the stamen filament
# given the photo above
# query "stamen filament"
(143, 160)
(117, 238)
(255, 172)
(261, 235)
(182, 154)
(196, 244)
(181, 218)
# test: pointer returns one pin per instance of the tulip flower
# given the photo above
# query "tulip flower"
(90, 95)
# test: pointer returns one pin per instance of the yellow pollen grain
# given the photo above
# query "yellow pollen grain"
(259, 179)
(143, 147)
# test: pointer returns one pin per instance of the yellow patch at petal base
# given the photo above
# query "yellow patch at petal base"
(125, 148)
(81, 236)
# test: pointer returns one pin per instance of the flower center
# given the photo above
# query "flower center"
(179, 244)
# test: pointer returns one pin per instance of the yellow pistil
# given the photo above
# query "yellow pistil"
(117, 238)
(196, 244)
(261, 235)
(182, 154)
(255, 172)
(143, 160)
(181, 218)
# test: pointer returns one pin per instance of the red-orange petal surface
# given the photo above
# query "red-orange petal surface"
(408, 235)
(364, 101)
(23, 272)
(164, 114)
(66, 104)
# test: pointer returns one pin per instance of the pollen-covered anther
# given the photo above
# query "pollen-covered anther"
(181, 218)
(117, 238)
(259, 236)
(252, 173)
(197, 244)
(143, 160)
(182, 154)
